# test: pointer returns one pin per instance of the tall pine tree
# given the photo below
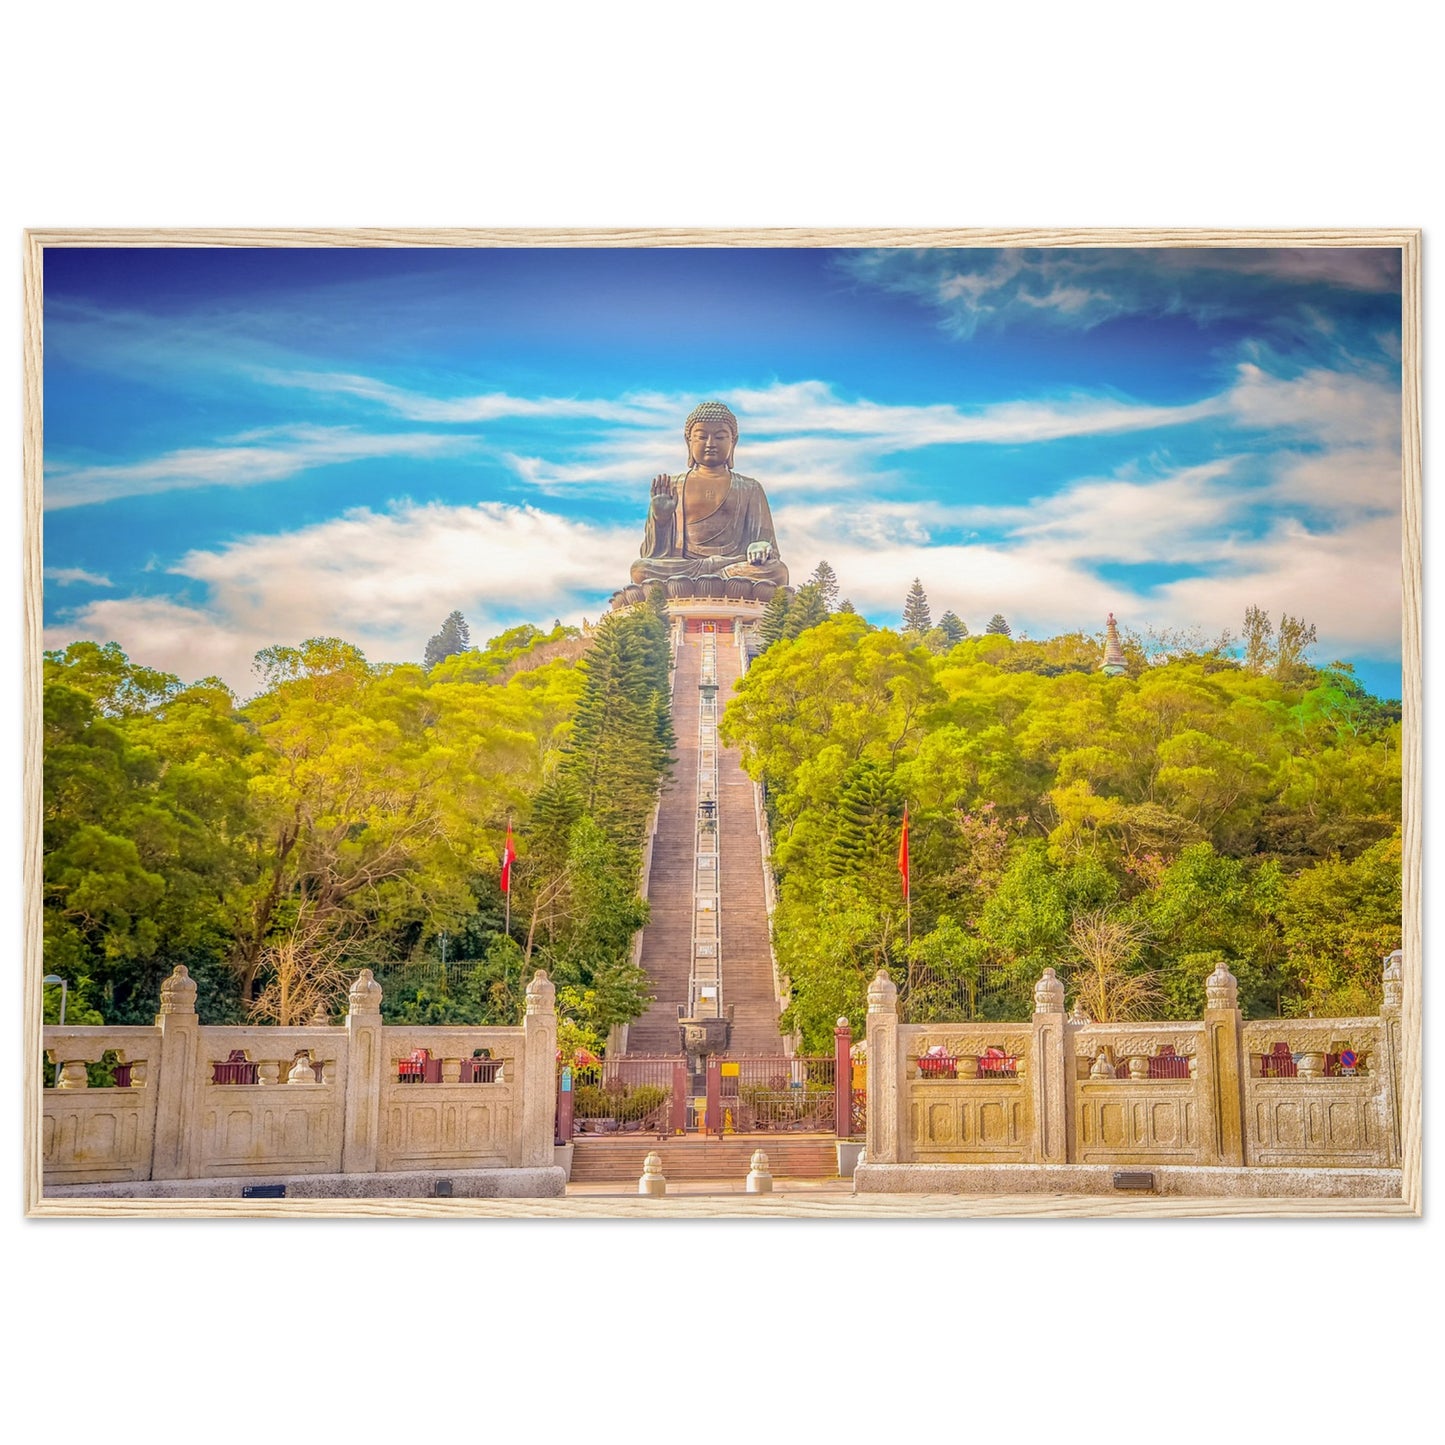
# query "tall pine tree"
(622, 734)
(916, 616)
(827, 581)
(455, 636)
(952, 626)
(998, 623)
(865, 823)
(774, 624)
(806, 610)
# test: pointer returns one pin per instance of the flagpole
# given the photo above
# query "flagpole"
(905, 866)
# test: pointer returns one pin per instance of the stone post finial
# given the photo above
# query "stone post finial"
(321, 1018)
(1394, 979)
(1079, 1015)
(882, 994)
(178, 992)
(365, 994)
(652, 1181)
(541, 994)
(1221, 989)
(760, 1179)
(1049, 993)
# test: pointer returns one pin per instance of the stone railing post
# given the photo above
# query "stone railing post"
(1390, 1038)
(539, 1072)
(360, 1139)
(843, 1079)
(1050, 1087)
(886, 1096)
(1220, 1072)
(176, 1079)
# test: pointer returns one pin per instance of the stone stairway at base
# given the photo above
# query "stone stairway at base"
(747, 965)
(613, 1161)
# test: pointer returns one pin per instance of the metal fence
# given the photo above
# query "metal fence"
(929, 997)
(658, 1094)
(775, 1095)
(633, 1094)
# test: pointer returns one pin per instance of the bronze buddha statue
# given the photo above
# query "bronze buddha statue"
(710, 522)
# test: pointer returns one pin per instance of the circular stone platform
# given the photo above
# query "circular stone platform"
(702, 594)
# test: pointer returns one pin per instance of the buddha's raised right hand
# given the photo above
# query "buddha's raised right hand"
(663, 500)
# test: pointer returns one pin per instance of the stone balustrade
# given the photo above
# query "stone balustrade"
(1064, 1090)
(208, 1102)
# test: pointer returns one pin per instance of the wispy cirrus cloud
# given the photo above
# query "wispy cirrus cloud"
(485, 406)
(1083, 287)
(73, 576)
(797, 434)
(266, 455)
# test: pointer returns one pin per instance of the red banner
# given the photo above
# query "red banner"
(509, 856)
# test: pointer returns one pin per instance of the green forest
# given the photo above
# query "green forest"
(353, 815)
(1130, 831)
(1212, 804)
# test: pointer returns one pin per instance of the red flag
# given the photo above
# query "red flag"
(509, 856)
(903, 852)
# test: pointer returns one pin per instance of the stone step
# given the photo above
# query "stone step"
(611, 1160)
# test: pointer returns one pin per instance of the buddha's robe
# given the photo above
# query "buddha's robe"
(683, 543)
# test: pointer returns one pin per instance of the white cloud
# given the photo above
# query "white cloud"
(381, 580)
(67, 576)
(1040, 568)
(268, 455)
(1178, 517)
(1348, 582)
(1337, 408)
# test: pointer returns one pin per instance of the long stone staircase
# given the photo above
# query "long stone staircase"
(746, 959)
(667, 939)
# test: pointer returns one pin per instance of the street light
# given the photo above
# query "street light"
(64, 991)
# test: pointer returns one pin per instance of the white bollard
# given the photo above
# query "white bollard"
(652, 1181)
(759, 1180)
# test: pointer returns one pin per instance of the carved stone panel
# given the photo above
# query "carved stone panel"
(1324, 1123)
(97, 1135)
(446, 1126)
(1124, 1123)
(979, 1124)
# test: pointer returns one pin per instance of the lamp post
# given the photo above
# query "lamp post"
(64, 991)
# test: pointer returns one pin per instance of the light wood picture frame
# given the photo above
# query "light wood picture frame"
(783, 1204)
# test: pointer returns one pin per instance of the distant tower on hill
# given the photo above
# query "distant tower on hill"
(1113, 663)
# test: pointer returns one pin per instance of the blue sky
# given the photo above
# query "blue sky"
(248, 447)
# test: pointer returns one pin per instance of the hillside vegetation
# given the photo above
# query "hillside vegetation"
(1130, 831)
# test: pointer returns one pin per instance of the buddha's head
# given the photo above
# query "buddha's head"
(711, 431)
